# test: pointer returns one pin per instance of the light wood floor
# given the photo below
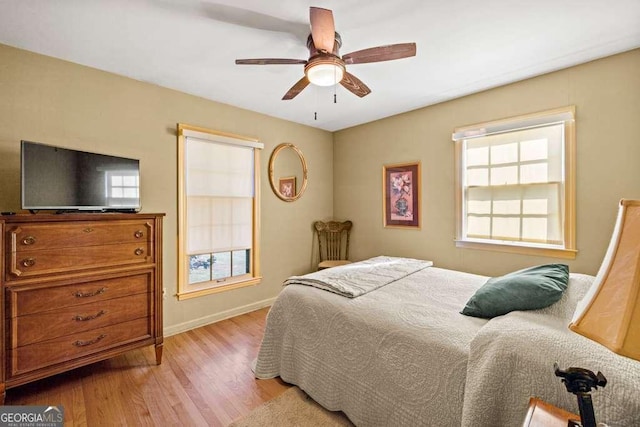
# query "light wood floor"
(204, 379)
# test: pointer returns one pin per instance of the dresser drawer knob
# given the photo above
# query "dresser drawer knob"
(88, 230)
(80, 318)
(90, 294)
(89, 342)
(28, 262)
(29, 240)
(138, 234)
(139, 251)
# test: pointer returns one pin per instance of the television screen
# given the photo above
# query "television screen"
(64, 179)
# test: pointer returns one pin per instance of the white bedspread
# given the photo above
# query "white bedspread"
(402, 355)
(394, 356)
(357, 279)
(511, 358)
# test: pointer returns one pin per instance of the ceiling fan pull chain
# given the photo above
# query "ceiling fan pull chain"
(335, 83)
(315, 114)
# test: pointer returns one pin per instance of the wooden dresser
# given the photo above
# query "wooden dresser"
(77, 288)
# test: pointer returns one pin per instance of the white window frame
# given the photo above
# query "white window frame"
(185, 290)
(564, 115)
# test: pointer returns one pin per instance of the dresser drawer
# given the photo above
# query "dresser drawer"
(32, 263)
(62, 349)
(28, 299)
(27, 237)
(51, 324)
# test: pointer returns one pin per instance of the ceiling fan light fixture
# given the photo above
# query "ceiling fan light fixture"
(325, 74)
(325, 66)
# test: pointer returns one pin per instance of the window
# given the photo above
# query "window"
(218, 212)
(122, 187)
(515, 188)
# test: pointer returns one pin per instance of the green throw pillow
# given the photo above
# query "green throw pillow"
(528, 289)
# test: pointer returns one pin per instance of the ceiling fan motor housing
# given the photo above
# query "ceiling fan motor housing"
(337, 44)
(324, 68)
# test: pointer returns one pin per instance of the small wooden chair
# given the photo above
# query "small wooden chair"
(333, 243)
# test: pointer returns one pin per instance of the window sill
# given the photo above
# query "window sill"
(217, 289)
(519, 249)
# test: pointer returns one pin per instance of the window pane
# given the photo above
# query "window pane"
(242, 220)
(506, 207)
(221, 210)
(504, 153)
(220, 237)
(534, 229)
(506, 228)
(535, 172)
(199, 268)
(479, 206)
(116, 181)
(240, 262)
(130, 192)
(116, 192)
(221, 265)
(535, 207)
(477, 177)
(504, 175)
(129, 181)
(218, 169)
(537, 149)
(478, 156)
(479, 226)
(198, 222)
(211, 226)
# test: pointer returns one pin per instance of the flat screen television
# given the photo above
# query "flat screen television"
(70, 180)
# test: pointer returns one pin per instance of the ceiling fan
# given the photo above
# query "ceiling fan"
(325, 67)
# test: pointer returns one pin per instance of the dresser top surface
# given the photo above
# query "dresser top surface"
(75, 216)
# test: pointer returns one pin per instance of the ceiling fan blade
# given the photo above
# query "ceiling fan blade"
(269, 61)
(381, 53)
(323, 30)
(296, 89)
(355, 85)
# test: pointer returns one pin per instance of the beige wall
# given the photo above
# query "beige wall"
(607, 98)
(55, 102)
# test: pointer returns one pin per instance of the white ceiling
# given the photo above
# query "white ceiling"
(463, 46)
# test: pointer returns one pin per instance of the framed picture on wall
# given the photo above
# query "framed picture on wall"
(287, 186)
(401, 195)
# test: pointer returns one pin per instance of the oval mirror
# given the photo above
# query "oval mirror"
(287, 172)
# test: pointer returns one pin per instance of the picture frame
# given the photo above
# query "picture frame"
(287, 186)
(401, 195)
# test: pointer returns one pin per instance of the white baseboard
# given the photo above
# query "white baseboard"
(216, 317)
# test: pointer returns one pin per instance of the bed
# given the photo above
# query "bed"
(402, 354)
